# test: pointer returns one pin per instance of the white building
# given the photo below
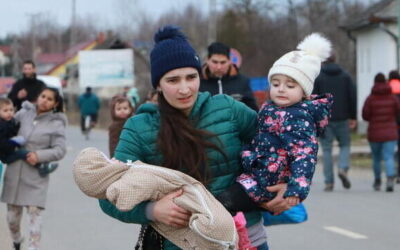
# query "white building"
(375, 35)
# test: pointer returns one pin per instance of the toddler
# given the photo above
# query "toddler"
(10, 143)
(121, 109)
(285, 147)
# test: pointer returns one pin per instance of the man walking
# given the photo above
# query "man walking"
(221, 76)
(333, 79)
(89, 105)
(28, 88)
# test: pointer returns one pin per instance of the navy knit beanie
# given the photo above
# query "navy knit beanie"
(171, 51)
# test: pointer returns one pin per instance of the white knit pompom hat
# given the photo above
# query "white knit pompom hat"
(304, 64)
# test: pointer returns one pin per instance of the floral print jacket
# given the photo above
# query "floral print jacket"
(285, 148)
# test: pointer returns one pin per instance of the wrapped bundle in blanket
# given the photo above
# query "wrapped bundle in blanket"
(125, 185)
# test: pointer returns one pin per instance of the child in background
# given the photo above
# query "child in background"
(152, 96)
(121, 110)
(9, 141)
(285, 147)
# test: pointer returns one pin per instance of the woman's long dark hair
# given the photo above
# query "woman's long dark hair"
(183, 146)
(57, 97)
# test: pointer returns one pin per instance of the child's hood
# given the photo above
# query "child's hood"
(320, 107)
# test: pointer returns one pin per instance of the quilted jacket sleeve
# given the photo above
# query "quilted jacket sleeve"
(246, 119)
(366, 111)
(301, 144)
(128, 148)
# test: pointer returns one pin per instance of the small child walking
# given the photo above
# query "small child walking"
(285, 147)
(121, 109)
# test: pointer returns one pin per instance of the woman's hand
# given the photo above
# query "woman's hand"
(32, 158)
(278, 204)
(167, 212)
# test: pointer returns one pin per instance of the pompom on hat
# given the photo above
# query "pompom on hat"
(304, 64)
(171, 51)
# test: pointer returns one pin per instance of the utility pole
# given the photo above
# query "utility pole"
(32, 21)
(16, 59)
(72, 28)
(212, 21)
(398, 35)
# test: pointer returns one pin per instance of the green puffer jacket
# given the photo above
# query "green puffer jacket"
(232, 121)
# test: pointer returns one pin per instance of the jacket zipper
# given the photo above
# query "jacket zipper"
(220, 89)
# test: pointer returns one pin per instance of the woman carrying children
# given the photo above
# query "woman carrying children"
(189, 131)
(43, 126)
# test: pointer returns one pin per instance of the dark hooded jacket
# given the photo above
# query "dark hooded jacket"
(334, 80)
(8, 129)
(381, 109)
(33, 87)
(234, 84)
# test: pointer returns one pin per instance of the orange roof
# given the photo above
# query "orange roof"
(5, 49)
(71, 54)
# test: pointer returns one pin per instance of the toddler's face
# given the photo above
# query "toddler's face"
(7, 112)
(122, 110)
(285, 91)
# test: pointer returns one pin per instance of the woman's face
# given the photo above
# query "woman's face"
(46, 101)
(180, 88)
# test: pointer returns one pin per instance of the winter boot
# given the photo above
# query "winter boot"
(390, 184)
(377, 185)
(47, 168)
(17, 246)
(343, 177)
(328, 187)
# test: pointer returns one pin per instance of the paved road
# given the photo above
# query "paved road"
(73, 221)
(345, 220)
(370, 219)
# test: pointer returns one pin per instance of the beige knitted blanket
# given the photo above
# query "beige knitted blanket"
(125, 185)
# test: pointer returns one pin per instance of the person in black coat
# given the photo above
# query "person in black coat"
(27, 88)
(221, 76)
(334, 80)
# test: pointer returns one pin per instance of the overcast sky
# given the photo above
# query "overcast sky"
(14, 14)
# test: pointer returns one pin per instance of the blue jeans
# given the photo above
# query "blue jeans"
(263, 246)
(398, 156)
(385, 151)
(340, 131)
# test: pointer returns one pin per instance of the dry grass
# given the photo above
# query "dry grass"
(361, 160)
(358, 139)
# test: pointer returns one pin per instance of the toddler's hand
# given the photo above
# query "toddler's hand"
(18, 140)
(292, 200)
